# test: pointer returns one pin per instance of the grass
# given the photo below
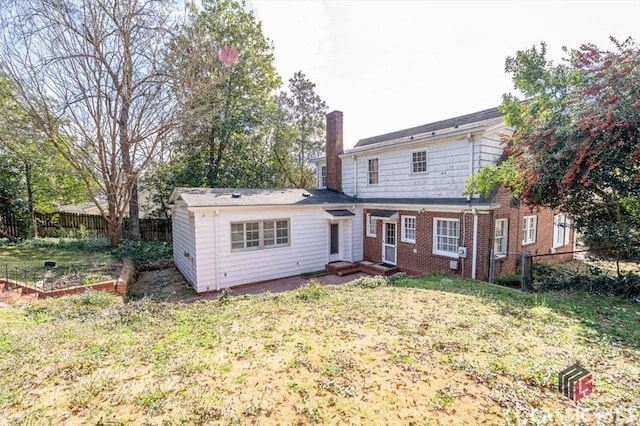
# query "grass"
(67, 253)
(424, 351)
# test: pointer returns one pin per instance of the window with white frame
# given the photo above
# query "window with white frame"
(446, 234)
(257, 235)
(373, 171)
(560, 230)
(501, 238)
(323, 176)
(419, 162)
(408, 229)
(371, 226)
(529, 229)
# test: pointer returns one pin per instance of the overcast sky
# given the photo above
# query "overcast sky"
(390, 65)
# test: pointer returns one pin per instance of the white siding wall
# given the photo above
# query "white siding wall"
(206, 240)
(357, 236)
(308, 251)
(184, 249)
(447, 167)
(489, 149)
(347, 177)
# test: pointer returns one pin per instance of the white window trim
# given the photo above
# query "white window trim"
(525, 229)
(426, 159)
(371, 232)
(435, 237)
(261, 245)
(560, 225)
(323, 177)
(368, 171)
(403, 228)
(505, 238)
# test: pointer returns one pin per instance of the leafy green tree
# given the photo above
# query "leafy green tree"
(225, 106)
(30, 180)
(91, 76)
(305, 114)
(576, 147)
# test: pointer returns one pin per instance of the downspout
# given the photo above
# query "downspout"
(355, 175)
(474, 259)
(471, 149)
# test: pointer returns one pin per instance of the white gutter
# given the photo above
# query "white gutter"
(474, 259)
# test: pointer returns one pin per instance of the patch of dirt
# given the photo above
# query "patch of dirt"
(160, 281)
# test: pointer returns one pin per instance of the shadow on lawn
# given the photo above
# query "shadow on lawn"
(611, 318)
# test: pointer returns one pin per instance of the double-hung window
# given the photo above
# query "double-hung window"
(419, 162)
(408, 229)
(446, 234)
(371, 226)
(560, 230)
(373, 171)
(501, 238)
(258, 235)
(529, 229)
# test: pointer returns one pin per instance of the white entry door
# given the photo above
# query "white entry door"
(389, 243)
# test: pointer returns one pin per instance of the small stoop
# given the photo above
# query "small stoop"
(378, 268)
(342, 268)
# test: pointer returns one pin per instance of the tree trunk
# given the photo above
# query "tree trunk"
(134, 214)
(27, 172)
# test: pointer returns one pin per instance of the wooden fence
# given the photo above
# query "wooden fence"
(85, 225)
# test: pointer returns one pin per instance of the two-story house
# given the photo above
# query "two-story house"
(394, 199)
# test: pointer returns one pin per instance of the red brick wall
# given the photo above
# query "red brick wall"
(334, 147)
(419, 258)
(544, 235)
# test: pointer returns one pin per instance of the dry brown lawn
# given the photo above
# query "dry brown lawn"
(427, 351)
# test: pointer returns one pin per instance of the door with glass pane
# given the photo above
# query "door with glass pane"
(334, 242)
(389, 243)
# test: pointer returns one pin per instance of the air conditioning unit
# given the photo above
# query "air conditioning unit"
(462, 252)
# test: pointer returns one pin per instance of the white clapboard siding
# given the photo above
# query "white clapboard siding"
(447, 167)
(184, 249)
(308, 250)
(357, 233)
(347, 177)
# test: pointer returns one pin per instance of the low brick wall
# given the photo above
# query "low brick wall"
(118, 286)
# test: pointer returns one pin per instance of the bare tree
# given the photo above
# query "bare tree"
(91, 74)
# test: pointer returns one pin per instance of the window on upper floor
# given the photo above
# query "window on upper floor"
(257, 235)
(561, 230)
(408, 229)
(501, 238)
(323, 176)
(446, 234)
(373, 171)
(419, 162)
(529, 229)
(371, 226)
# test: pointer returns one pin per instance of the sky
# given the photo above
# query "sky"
(390, 65)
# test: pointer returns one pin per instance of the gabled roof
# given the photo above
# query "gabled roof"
(224, 197)
(444, 126)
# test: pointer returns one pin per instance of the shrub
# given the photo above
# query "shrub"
(370, 282)
(312, 290)
(512, 281)
(144, 251)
